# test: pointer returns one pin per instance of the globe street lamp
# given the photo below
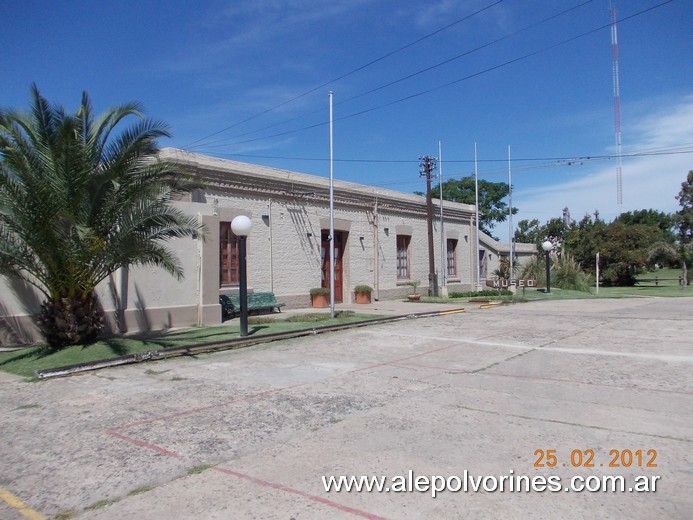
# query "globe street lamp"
(240, 226)
(548, 246)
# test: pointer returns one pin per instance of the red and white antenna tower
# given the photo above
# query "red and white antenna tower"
(617, 105)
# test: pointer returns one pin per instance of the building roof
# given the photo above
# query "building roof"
(504, 247)
(233, 176)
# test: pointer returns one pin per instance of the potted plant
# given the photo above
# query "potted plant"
(414, 295)
(363, 293)
(320, 297)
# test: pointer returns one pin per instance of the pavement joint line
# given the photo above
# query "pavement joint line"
(545, 347)
(589, 383)
(579, 425)
(510, 358)
(17, 504)
(431, 367)
(287, 489)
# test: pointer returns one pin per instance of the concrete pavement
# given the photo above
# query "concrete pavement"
(250, 433)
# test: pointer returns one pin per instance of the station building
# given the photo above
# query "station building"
(380, 240)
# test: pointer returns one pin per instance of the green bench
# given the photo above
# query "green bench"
(259, 301)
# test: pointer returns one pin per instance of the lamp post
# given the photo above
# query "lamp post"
(240, 226)
(548, 246)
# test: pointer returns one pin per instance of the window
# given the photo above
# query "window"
(228, 255)
(403, 256)
(483, 263)
(452, 257)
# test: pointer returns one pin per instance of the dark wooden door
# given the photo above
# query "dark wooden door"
(339, 242)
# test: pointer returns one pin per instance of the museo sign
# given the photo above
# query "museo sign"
(504, 283)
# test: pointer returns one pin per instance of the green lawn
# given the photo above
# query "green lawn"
(26, 361)
(663, 282)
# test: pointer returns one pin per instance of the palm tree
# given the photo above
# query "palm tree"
(79, 201)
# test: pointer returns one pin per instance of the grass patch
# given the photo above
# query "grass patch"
(140, 490)
(259, 320)
(313, 317)
(64, 515)
(150, 372)
(100, 505)
(196, 470)
(484, 293)
(25, 362)
(27, 407)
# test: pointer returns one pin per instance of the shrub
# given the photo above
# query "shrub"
(363, 288)
(534, 269)
(414, 284)
(618, 274)
(567, 273)
(316, 291)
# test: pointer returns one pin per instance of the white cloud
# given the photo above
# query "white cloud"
(649, 182)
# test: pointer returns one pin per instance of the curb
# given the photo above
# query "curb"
(190, 350)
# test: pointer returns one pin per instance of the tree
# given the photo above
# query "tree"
(528, 231)
(492, 208)
(664, 221)
(78, 201)
(624, 245)
(532, 232)
(684, 224)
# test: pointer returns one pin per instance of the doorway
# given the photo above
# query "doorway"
(339, 242)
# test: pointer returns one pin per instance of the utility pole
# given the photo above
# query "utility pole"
(427, 165)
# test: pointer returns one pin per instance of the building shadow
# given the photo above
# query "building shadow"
(141, 315)
(13, 329)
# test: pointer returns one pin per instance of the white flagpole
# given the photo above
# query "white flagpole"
(476, 205)
(443, 266)
(331, 241)
(510, 214)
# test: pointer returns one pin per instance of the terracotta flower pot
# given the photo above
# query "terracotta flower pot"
(362, 296)
(320, 300)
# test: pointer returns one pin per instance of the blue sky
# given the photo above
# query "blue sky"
(249, 81)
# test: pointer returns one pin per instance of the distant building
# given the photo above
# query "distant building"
(380, 240)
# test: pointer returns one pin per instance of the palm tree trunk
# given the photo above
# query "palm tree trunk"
(71, 321)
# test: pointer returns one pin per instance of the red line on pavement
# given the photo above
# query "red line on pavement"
(314, 498)
(254, 480)
(145, 444)
(394, 361)
(430, 367)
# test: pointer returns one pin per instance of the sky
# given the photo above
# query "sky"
(527, 79)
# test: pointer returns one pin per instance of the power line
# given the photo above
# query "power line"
(404, 78)
(456, 81)
(568, 160)
(354, 71)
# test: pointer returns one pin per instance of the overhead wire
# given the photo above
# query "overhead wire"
(354, 71)
(404, 78)
(568, 160)
(459, 80)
